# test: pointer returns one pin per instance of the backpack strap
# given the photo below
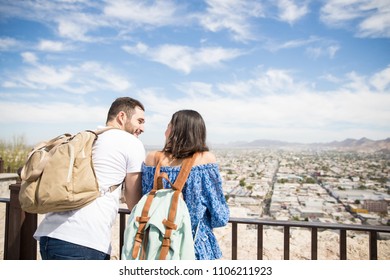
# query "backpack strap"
(101, 130)
(144, 218)
(177, 186)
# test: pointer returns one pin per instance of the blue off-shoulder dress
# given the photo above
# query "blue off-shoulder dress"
(205, 201)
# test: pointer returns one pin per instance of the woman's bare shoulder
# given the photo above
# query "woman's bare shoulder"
(205, 158)
(150, 158)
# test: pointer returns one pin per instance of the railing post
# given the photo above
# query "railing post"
(373, 251)
(122, 227)
(20, 244)
(259, 242)
(343, 244)
(234, 241)
(286, 234)
(314, 245)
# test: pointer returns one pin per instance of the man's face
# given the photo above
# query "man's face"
(135, 125)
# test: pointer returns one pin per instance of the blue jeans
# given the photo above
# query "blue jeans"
(56, 249)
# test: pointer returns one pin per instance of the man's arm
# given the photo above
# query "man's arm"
(133, 189)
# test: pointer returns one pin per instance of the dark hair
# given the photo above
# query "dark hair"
(125, 104)
(188, 134)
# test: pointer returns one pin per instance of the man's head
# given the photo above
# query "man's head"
(127, 114)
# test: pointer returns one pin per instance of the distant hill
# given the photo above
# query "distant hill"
(364, 144)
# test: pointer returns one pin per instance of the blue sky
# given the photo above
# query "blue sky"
(291, 70)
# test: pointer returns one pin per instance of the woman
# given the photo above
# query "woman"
(185, 135)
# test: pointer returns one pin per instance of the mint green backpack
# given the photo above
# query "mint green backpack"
(159, 226)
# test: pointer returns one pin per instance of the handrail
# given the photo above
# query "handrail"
(19, 227)
(373, 230)
(4, 200)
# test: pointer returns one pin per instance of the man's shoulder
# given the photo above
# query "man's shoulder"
(120, 139)
(118, 134)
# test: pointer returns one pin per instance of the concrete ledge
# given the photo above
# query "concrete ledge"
(8, 176)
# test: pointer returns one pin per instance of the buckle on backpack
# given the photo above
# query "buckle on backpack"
(169, 224)
(166, 242)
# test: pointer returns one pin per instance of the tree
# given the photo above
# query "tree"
(357, 201)
(14, 153)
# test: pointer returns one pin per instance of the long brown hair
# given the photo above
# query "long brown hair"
(188, 134)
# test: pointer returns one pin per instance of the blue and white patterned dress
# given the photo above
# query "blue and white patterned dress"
(205, 201)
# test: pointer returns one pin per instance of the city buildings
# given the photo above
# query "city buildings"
(308, 185)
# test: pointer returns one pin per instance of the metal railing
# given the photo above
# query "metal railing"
(20, 226)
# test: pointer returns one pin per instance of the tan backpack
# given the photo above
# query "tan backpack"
(59, 176)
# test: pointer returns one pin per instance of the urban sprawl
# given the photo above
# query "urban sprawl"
(319, 186)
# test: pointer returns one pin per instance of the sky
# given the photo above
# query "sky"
(302, 71)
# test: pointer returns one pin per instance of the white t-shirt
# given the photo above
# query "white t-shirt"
(114, 154)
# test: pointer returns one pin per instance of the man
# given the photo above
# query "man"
(117, 156)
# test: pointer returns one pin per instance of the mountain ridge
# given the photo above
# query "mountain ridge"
(362, 144)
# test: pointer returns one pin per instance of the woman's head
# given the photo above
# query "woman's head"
(186, 134)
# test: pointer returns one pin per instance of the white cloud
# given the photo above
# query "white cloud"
(295, 43)
(381, 80)
(248, 109)
(232, 15)
(139, 48)
(239, 88)
(46, 76)
(368, 18)
(48, 113)
(84, 78)
(184, 58)
(376, 25)
(75, 28)
(319, 51)
(158, 13)
(314, 46)
(71, 19)
(7, 43)
(290, 11)
(29, 57)
(276, 81)
(356, 82)
(297, 110)
(51, 46)
(79, 20)
(197, 89)
(331, 78)
(332, 50)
